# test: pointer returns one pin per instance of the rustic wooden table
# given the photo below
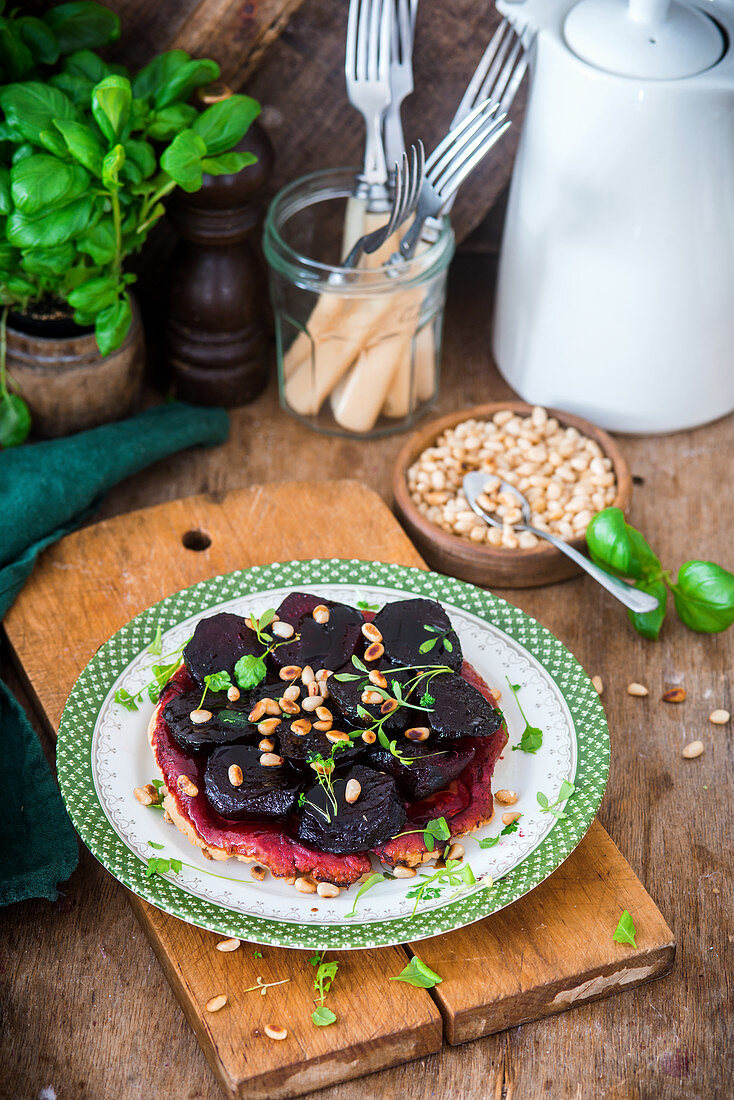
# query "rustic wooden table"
(86, 1011)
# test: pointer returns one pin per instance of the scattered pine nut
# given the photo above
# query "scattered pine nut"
(305, 885)
(292, 693)
(321, 614)
(598, 684)
(147, 795)
(314, 689)
(215, 1003)
(719, 717)
(507, 819)
(328, 890)
(235, 775)
(674, 695)
(378, 678)
(692, 750)
(301, 727)
(307, 675)
(418, 733)
(404, 872)
(198, 717)
(324, 714)
(266, 745)
(269, 726)
(369, 737)
(352, 791)
(456, 851)
(272, 707)
(187, 786)
(287, 706)
(312, 703)
(282, 630)
(374, 651)
(636, 689)
(233, 694)
(496, 694)
(371, 698)
(274, 1031)
(228, 945)
(389, 706)
(323, 726)
(257, 712)
(270, 760)
(337, 735)
(323, 674)
(371, 632)
(258, 872)
(290, 672)
(506, 797)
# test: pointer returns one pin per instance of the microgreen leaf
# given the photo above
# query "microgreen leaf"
(364, 606)
(448, 646)
(360, 664)
(566, 790)
(437, 829)
(153, 844)
(257, 954)
(126, 700)
(427, 700)
(491, 841)
(156, 646)
(218, 681)
(417, 973)
(249, 671)
(428, 645)
(323, 1016)
(373, 880)
(532, 737)
(625, 931)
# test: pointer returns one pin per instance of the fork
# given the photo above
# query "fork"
(367, 70)
(401, 75)
(448, 166)
(409, 172)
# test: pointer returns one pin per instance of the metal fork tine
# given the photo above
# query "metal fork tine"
(387, 21)
(452, 136)
(350, 55)
(419, 172)
(514, 84)
(373, 40)
(496, 90)
(404, 27)
(469, 162)
(460, 136)
(463, 151)
(497, 66)
(363, 38)
(471, 95)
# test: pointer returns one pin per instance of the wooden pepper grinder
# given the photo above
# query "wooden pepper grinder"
(217, 331)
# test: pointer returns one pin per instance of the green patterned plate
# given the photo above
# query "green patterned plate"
(103, 753)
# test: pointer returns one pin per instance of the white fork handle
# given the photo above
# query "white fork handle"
(375, 169)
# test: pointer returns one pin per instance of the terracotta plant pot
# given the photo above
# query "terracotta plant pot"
(68, 385)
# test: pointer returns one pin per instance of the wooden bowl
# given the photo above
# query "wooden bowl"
(489, 565)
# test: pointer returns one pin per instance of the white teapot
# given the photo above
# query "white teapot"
(615, 296)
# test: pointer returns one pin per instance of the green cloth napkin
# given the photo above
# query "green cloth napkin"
(47, 490)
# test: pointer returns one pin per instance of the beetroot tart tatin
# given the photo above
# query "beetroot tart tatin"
(319, 735)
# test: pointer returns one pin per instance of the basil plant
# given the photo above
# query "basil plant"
(88, 154)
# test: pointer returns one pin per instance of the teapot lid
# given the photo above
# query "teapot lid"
(645, 39)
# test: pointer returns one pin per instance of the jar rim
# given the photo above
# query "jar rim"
(334, 183)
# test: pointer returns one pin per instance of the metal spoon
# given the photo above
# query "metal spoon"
(632, 598)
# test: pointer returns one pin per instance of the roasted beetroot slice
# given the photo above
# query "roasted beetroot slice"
(321, 646)
(299, 749)
(460, 710)
(377, 814)
(347, 696)
(218, 643)
(225, 727)
(403, 628)
(434, 764)
(265, 792)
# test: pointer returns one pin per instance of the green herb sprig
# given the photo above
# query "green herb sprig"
(439, 635)
(251, 670)
(456, 873)
(703, 592)
(419, 974)
(374, 880)
(547, 807)
(436, 830)
(491, 841)
(532, 736)
(325, 974)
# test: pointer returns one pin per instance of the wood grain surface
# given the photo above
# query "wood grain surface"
(87, 1011)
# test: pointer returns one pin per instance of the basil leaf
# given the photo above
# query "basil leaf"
(82, 143)
(52, 228)
(418, 974)
(87, 66)
(111, 165)
(32, 107)
(113, 324)
(615, 545)
(41, 182)
(249, 671)
(322, 1017)
(83, 25)
(52, 141)
(704, 596)
(39, 39)
(99, 243)
(225, 123)
(625, 931)
(648, 623)
(94, 295)
(151, 79)
(111, 100)
(49, 261)
(169, 121)
(6, 203)
(192, 74)
(227, 164)
(141, 153)
(15, 57)
(182, 160)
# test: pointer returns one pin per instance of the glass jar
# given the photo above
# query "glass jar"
(358, 350)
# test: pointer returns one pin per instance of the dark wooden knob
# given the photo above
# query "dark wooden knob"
(217, 345)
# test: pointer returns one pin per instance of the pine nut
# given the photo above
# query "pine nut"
(187, 786)
(215, 1003)
(418, 733)
(233, 694)
(674, 695)
(198, 717)
(258, 872)
(389, 706)
(369, 737)
(147, 795)
(323, 726)
(276, 1032)
(374, 651)
(228, 945)
(234, 773)
(321, 614)
(290, 672)
(377, 678)
(496, 694)
(324, 714)
(312, 703)
(719, 717)
(456, 851)
(404, 872)
(305, 886)
(315, 688)
(507, 819)
(287, 706)
(270, 760)
(598, 684)
(352, 791)
(257, 712)
(292, 693)
(328, 890)
(266, 745)
(269, 726)
(323, 674)
(272, 707)
(506, 797)
(308, 675)
(637, 689)
(371, 698)
(282, 630)
(301, 727)
(371, 632)
(692, 750)
(337, 735)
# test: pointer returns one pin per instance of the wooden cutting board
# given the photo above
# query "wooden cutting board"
(551, 950)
